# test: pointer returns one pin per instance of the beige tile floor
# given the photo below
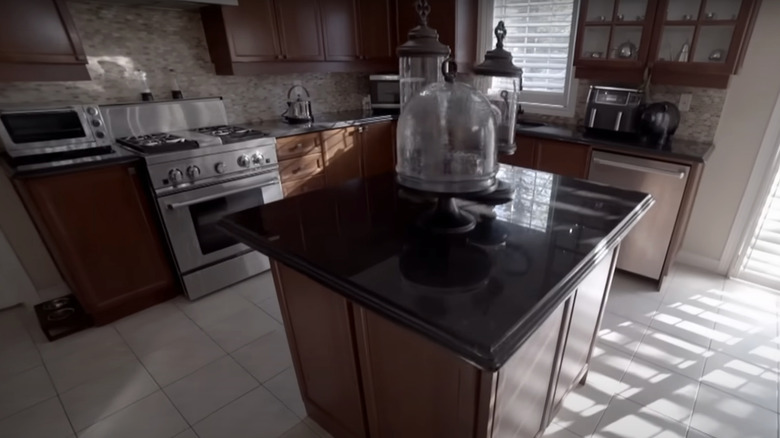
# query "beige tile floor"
(699, 359)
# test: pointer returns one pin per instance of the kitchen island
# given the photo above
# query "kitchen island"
(396, 332)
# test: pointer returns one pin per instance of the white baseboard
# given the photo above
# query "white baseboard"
(699, 261)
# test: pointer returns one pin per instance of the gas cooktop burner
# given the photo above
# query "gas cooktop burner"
(157, 143)
(231, 134)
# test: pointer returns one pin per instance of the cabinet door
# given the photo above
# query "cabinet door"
(377, 36)
(582, 327)
(99, 227)
(321, 337)
(568, 159)
(39, 31)
(251, 31)
(342, 156)
(408, 382)
(339, 25)
(300, 30)
(523, 156)
(376, 142)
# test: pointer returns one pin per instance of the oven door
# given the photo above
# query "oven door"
(45, 131)
(191, 218)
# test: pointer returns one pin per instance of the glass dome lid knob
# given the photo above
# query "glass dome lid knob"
(498, 62)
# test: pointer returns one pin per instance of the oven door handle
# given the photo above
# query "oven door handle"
(177, 205)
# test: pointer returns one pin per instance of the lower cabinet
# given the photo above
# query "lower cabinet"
(99, 226)
(362, 375)
(330, 158)
(568, 159)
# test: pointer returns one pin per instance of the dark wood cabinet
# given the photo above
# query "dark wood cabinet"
(694, 43)
(300, 30)
(321, 338)
(376, 25)
(339, 18)
(563, 158)
(241, 34)
(39, 42)
(377, 142)
(342, 155)
(275, 36)
(99, 226)
(361, 374)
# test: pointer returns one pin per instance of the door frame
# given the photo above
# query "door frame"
(764, 169)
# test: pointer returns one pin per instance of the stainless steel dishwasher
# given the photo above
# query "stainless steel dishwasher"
(644, 250)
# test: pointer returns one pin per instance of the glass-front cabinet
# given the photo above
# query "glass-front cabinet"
(685, 42)
(614, 33)
(701, 36)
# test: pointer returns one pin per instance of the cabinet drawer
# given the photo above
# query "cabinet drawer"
(301, 186)
(302, 167)
(297, 145)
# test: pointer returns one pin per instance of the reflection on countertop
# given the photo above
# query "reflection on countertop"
(322, 122)
(479, 294)
(677, 148)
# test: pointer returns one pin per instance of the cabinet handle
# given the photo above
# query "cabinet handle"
(297, 146)
(296, 170)
(361, 129)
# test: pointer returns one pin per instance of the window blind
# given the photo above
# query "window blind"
(539, 37)
(761, 262)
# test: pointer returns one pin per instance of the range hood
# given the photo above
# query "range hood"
(171, 4)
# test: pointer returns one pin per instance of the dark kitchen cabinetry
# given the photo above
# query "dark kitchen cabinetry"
(691, 42)
(377, 141)
(300, 30)
(100, 229)
(562, 158)
(39, 42)
(343, 160)
(275, 36)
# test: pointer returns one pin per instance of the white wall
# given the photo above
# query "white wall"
(750, 100)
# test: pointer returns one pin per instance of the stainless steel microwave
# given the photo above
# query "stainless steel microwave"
(385, 92)
(25, 132)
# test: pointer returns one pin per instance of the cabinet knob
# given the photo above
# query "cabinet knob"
(298, 146)
(361, 129)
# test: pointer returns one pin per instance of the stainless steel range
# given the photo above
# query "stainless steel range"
(201, 169)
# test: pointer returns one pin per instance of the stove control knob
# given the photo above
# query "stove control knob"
(175, 176)
(257, 159)
(97, 123)
(243, 161)
(219, 167)
(193, 171)
(92, 111)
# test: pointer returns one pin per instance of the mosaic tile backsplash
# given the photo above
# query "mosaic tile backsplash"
(119, 40)
(698, 124)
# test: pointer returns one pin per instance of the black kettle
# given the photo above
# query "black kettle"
(658, 122)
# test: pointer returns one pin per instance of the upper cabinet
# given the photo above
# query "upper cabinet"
(676, 42)
(39, 42)
(285, 36)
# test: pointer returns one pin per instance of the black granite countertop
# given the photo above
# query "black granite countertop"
(25, 168)
(322, 122)
(478, 298)
(677, 149)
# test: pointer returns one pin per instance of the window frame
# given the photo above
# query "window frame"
(534, 102)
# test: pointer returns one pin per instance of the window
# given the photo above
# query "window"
(540, 35)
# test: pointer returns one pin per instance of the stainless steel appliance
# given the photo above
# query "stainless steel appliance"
(37, 131)
(614, 110)
(221, 170)
(385, 91)
(644, 250)
(298, 110)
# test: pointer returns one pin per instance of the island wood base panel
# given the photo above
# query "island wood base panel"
(362, 375)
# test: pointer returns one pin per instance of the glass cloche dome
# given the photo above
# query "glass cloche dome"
(446, 139)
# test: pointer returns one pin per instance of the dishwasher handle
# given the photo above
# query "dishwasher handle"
(679, 174)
